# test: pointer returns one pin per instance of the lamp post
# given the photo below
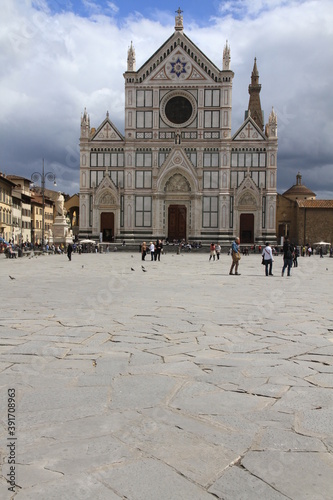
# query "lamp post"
(42, 176)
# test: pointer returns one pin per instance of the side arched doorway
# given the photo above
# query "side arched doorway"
(107, 226)
(176, 222)
(246, 232)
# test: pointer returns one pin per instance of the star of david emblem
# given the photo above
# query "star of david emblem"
(178, 67)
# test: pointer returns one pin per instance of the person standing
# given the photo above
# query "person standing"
(158, 250)
(212, 251)
(218, 250)
(267, 255)
(287, 257)
(152, 250)
(235, 255)
(69, 252)
(143, 250)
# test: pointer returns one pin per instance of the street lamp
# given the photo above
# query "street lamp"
(42, 176)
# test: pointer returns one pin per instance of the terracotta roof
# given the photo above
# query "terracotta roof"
(315, 203)
(300, 190)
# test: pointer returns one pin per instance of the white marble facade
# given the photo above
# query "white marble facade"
(178, 171)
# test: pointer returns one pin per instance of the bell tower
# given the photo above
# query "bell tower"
(254, 108)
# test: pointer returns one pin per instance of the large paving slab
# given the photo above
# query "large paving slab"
(180, 382)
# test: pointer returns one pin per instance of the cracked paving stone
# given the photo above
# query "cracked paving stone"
(298, 475)
(237, 483)
(150, 479)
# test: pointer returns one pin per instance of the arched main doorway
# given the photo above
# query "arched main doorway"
(177, 222)
(107, 226)
(246, 232)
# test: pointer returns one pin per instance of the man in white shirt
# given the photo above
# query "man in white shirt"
(267, 256)
(152, 250)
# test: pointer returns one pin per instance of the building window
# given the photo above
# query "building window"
(248, 159)
(96, 177)
(143, 159)
(144, 98)
(117, 177)
(144, 119)
(162, 156)
(143, 179)
(112, 159)
(211, 180)
(211, 160)
(143, 211)
(192, 155)
(209, 211)
(212, 98)
(212, 119)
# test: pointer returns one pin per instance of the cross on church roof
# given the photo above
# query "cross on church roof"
(179, 11)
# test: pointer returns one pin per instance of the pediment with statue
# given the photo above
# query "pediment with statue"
(177, 183)
(177, 164)
(247, 200)
(106, 198)
(248, 194)
(106, 193)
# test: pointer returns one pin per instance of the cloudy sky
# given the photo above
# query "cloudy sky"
(59, 56)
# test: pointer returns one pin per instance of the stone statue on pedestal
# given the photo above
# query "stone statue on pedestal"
(59, 204)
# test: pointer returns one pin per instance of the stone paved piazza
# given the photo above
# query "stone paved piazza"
(179, 383)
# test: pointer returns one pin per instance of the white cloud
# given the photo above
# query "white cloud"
(52, 66)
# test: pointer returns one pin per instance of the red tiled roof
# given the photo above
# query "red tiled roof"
(315, 203)
(299, 190)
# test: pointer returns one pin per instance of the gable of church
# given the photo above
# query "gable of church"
(178, 60)
(107, 131)
(248, 131)
(106, 185)
(177, 163)
(247, 194)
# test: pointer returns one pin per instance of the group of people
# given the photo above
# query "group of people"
(290, 254)
(215, 251)
(155, 250)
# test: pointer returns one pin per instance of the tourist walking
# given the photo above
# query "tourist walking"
(69, 252)
(267, 256)
(235, 255)
(212, 251)
(287, 257)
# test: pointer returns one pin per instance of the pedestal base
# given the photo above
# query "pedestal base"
(61, 232)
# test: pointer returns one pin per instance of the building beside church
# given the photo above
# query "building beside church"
(178, 172)
(302, 218)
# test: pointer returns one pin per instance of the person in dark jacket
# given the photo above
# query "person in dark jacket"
(158, 250)
(287, 257)
(69, 252)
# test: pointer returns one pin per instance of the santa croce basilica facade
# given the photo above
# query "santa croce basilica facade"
(178, 172)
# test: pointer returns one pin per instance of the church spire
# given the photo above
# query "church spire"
(226, 56)
(131, 58)
(85, 124)
(254, 102)
(179, 20)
